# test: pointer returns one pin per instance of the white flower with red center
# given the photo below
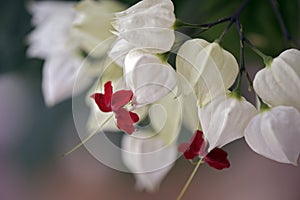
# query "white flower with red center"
(115, 102)
(275, 134)
(278, 83)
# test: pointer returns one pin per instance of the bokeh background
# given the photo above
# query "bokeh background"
(32, 136)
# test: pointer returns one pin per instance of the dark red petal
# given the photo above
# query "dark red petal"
(135, 118)
(217, 158)
(196, 146)
(108, 92)
(100, 101)
(120, 99)
(124, 120)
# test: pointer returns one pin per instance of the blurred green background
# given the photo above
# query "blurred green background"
(33, 136)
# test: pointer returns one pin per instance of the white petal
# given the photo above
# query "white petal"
(275, 134)
(224, 120)
(92, 24)
(148, 24)
(148, 77)
(149, 158)
(278, 84)
(166, 116)
(161, 14)
(59, 76)
(53, 21)
(154, 40)
(119, 51)
(208, 68)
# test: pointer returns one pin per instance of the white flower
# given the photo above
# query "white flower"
(275, 134)
(56, 40)
(92, 24)
(278, 83)
(224, 119)
(148, 77)
(149, 158)
(52, 21)
(146, 25)
(50, 40)
(59, 76)
(208, 67)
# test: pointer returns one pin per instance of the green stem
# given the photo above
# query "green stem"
(267, 59)
(263, 105)
(189, 180)
(179, 24)
(87, 138)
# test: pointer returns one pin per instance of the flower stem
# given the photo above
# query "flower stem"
(267, 59)
(179, 24)
(87, 138)
(189, 180)
(233, 19)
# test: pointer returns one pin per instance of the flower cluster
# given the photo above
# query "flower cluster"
(203, 85)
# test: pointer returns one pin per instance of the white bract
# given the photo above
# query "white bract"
(146, 25)
(149, 158)
(148, 77)
(275, 134)
(209, 68)
(224, 119)
(279, 83)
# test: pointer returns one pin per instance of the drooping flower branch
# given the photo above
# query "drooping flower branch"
(200, 87)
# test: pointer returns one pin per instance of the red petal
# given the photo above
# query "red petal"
(120, 99)
(108, 92)
(196, 146)
(100, 101)
(217, 158)
(135, 118)
(124, 120)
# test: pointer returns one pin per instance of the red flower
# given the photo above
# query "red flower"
(217, 158)
(114, 102)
